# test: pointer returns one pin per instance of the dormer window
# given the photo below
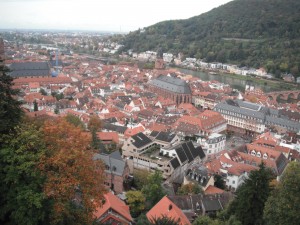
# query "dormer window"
(265, 156)
(253, 153)
(258, 154)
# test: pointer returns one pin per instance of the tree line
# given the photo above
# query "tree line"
(242, 32)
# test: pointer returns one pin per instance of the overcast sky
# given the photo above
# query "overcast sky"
(99, 15)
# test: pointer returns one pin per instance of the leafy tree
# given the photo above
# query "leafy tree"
(190, 188)
(164, 220)
(21, 189)
(74, 181)
(94, 123)
(95, 143)
(136, 201)
(206, 220)
(56, 110)
(10, 111)
(43, 92)
(140, 178)
(35, 106)
(153, 190)
(75, 121)
(142, 220)
(283, 204)
(219, 182)
(59, 96)
(251, 197)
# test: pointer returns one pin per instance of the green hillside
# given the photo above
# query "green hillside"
(250, 33)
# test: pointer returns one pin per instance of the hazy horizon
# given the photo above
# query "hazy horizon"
(93, 15)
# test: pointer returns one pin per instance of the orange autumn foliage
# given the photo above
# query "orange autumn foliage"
(72, 174)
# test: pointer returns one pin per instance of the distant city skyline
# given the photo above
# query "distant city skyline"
(96, 15)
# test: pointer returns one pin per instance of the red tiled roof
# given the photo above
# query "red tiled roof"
(132, 131)
(108, 136)
(113, 202)
(213, 190)
(165, 207)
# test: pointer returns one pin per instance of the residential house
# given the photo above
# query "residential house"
(187, 208)
(116, 171)
(113, 211)
(166, 208)
(213, 144)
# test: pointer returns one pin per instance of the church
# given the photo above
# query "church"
(171, 87)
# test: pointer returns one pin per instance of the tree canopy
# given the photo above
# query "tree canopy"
(190, 188)
(22, 198)
(283, 204)
(10, 111)
(153, 190)
(242, 32)
(136, 201)
(74, 180)
(251, 196)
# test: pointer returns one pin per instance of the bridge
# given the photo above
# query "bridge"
(285, 95)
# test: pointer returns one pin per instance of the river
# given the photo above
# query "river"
(234, 82)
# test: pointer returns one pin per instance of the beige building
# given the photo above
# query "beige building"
(143, 153)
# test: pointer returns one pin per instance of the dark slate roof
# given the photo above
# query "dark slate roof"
(211, 204)
(22, 69)
(233, 107)
(187, 152)
(154, 133)
(112, 127)
(181, 155)
(52, 63)
(286, 123)
(172, 84)
(165, 136)
(110, 120)
(267, 116)
(126, 99)
(175, 163)
(147, 94)
(140, 140)
(113, 162)
(121, 104)
(281, 163)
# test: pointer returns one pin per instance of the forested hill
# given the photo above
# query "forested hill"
(245, 32)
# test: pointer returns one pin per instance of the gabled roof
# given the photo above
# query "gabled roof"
(113, 162)
(108, 136)
(213, 190)
(114, 203)
(112, 127)
(22, 69)
(186, 152)
(175, 163)
(172, 84)
(211, 204)
(163, 136)
(165, 207)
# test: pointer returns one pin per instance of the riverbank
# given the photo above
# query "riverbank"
(267, 85)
